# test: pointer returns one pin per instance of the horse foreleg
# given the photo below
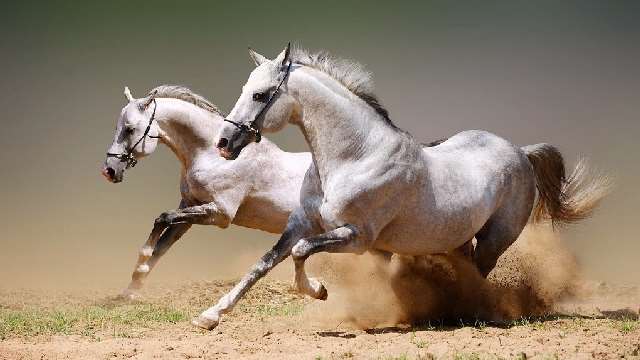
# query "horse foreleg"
(167, 229)
(341, 240)
(141, 268)
(211, 317)
(297, 227)
(145, 263)
(205, 214)
(308, 285)
(172, 234)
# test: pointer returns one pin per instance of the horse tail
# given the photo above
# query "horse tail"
(561, 199)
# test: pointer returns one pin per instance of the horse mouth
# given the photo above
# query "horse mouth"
(227, 154)
(110, 176)
(113, 181)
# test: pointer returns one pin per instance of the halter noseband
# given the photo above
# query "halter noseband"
(252, 128)
(128, 155)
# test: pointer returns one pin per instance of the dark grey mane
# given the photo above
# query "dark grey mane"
(184, 93)
(349, 73)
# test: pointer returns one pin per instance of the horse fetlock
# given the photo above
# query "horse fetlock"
(143, 268)
(146, 251)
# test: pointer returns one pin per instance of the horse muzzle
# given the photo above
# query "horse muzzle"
(110, 174)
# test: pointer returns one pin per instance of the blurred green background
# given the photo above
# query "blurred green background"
(565, 72)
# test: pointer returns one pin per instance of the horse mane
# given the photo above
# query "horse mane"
(181, 92)
(349, 73)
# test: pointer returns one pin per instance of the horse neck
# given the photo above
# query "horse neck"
(338, 126)
(186, 129)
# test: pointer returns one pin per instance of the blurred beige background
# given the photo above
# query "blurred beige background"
(567, 73)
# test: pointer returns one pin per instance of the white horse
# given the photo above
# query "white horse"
(257, 191)
(372, 187)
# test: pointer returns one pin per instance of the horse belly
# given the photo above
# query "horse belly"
(423, 239)
(262, 214)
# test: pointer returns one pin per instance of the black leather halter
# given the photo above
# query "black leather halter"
(252, 128)
(128, 155)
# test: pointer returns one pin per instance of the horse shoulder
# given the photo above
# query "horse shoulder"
(368, 195)
(212, 179)
(311, 193)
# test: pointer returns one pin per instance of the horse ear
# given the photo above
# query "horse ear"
(283, 57)
(149, 99)
(257, 58)
(127, 94)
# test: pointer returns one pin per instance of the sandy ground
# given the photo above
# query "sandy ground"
(533, 305)
(274, 322)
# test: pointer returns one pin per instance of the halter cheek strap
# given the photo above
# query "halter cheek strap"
(128, 155)
(251, 127)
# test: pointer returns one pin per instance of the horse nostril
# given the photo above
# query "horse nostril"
(111, 172)
(222, 143)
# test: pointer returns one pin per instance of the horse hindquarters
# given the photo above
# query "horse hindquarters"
(507, 222)
(561, 199)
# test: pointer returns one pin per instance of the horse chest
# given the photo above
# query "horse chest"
(199, 186)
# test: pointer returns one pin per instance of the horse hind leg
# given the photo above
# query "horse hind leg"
(344, 239)
(466, 250)
(498, 233)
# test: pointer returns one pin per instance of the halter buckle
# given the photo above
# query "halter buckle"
(131, 162)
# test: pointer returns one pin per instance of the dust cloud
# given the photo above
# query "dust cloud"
(531, 277)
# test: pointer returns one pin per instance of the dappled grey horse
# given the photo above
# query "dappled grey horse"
(257, 191)
(372, 187)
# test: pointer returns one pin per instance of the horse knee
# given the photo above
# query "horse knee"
(300, 250)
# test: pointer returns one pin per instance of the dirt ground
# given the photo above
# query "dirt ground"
(274, 322)
(534, 305)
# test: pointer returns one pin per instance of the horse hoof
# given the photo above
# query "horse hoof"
(204, 323)
(317, 290)
(131, 295)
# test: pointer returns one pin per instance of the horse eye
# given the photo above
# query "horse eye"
(261, 97)
(128, 130)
